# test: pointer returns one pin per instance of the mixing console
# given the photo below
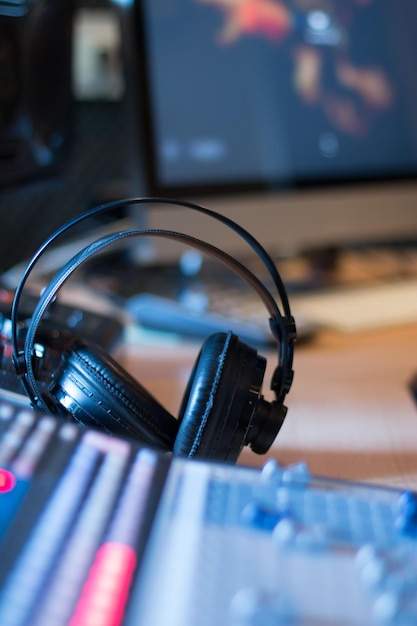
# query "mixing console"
(95, 530)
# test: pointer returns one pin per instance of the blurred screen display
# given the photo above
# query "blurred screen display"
(266, 93)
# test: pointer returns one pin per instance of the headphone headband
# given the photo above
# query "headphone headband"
(119, 204)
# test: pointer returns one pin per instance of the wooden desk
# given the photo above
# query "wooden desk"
(350, 415)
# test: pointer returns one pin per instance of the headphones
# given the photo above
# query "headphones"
(223, 408)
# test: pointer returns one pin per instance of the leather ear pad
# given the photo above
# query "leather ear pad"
(98, 392)
(220, 399)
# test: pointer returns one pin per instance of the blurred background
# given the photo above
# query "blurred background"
(297, 119)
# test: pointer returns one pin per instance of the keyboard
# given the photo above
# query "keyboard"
(360, 308)
(348, 309)
(250, 322)
(96, 530)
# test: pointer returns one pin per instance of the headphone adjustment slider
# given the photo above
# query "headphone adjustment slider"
(281, 384)
(288, 323)
(290, 328)
(19, 364)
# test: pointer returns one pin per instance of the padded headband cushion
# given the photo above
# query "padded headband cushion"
(109, 398)
(215, 400)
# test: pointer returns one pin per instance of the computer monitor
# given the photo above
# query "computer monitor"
(295, 118)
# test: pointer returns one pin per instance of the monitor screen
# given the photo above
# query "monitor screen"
(296, 117)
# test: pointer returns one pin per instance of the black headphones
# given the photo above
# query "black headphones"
(223, 408)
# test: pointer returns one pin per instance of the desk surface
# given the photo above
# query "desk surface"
(350, 411)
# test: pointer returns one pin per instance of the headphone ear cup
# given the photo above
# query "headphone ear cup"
(98, 392)
(220, 401)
